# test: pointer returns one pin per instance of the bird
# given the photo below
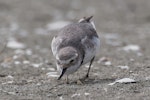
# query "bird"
(75, 45)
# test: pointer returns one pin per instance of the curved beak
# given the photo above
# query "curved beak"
(63, 71)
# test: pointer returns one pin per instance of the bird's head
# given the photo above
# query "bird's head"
(67, 60)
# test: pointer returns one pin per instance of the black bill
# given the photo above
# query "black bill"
(63, 71)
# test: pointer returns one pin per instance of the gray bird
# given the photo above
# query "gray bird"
(75, 45)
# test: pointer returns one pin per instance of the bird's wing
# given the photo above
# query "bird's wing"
(55, 44)
(91, 46)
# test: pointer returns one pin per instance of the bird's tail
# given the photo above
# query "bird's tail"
(87, 20)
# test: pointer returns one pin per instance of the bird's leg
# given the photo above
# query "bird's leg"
(67, 80)
(87, 75)
(80, 81)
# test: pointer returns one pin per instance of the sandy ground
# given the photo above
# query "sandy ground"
(27, 67)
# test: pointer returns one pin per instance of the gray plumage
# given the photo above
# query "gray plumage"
(78, 42)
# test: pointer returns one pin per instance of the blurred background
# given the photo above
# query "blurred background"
(20, 17)
(28, 26)
(109, 15)
(35, 22)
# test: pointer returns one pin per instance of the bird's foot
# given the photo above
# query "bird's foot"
(85, 77)
(79, 82)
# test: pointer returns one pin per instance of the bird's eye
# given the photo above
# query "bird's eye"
(71, 61)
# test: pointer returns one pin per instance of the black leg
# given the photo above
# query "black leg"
(87, 75)
(67, 79)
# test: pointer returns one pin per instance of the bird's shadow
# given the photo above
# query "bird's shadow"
(94, 81)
